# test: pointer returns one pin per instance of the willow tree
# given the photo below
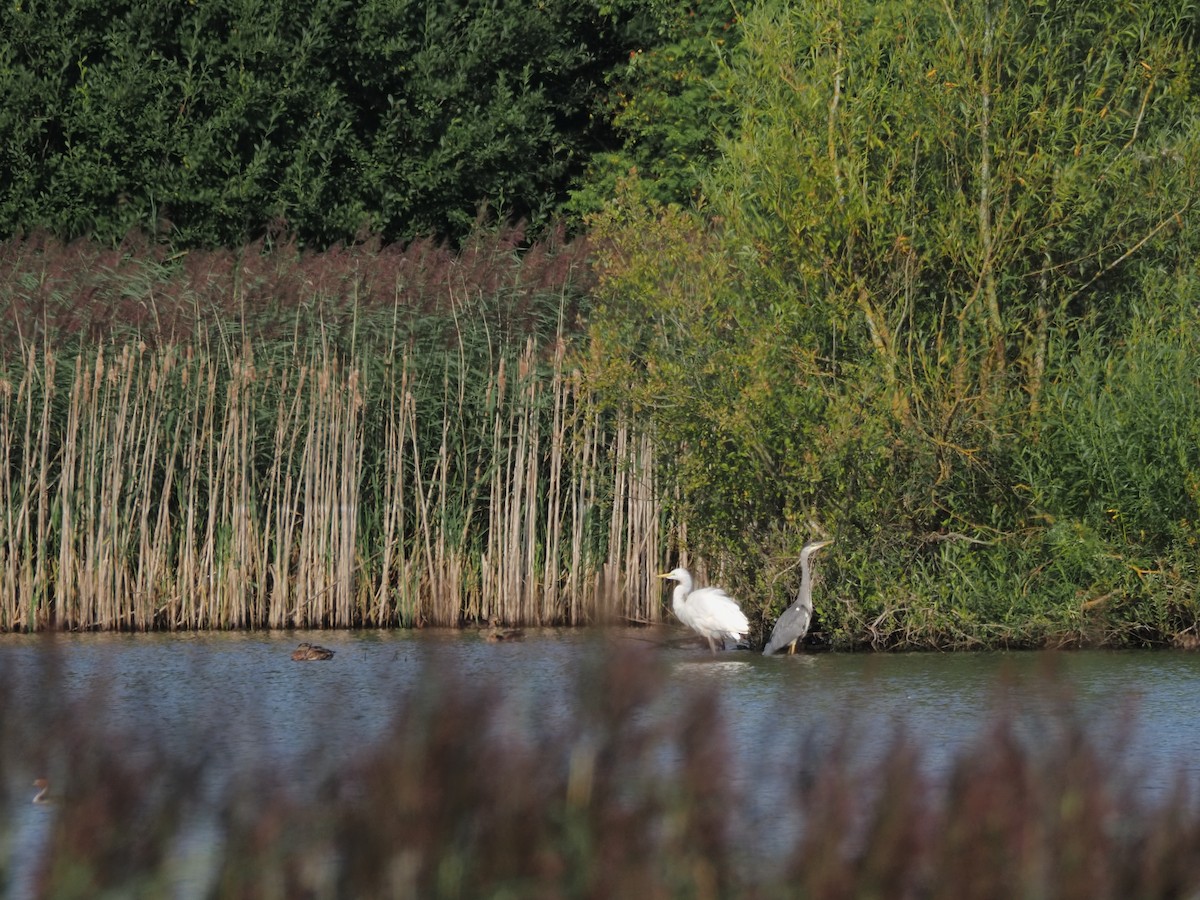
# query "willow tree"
(924, 209)
(947, 183)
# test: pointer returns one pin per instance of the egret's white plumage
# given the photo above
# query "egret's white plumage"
(708, 611)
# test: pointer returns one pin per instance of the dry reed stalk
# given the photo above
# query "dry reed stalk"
(549, 610)
(282, 500)
(206, 612)
(530, 533)
(196, 419)
(68, 545)
(643, 538)
(331, 462)
(11, 617)
(238, 561)
(516, 560)
(610, 587)
(159, 496)
(509, 600)
(392, 529)
(491, 564)
(21, 524)
(143, 442)
(142, 582)
(310, 595)
(583, 501)
(119, 481)
(439, 613)
(18, 529)
(40, 589)
(162, 578)
(96, 550)
(441, 583)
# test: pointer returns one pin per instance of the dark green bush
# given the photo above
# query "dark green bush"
(214, 123)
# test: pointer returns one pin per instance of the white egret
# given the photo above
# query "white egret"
(708, 611)
(793, 624)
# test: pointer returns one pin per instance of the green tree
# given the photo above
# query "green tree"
(222, 120)
(669, 104)
(922, 212)
(949, 184)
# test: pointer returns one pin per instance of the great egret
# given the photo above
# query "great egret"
(708, 611)
(794, 622)
(307, 651)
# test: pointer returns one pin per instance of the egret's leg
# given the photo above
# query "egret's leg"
(712, 646)
(792, 647)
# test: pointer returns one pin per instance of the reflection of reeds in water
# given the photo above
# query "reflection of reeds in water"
(626, 796)
(188, 487)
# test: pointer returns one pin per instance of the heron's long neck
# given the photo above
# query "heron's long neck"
(805, 578)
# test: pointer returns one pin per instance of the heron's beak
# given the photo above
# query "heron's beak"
(663, 575)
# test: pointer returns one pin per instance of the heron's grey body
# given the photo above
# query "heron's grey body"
(709, 611)
(794, 623)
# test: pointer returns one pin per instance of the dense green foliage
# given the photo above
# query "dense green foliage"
(940, 304)
(669, 105)
(215, 122)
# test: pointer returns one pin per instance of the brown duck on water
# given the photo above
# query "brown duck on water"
(308, 651)
(495, 633)
(43, 795)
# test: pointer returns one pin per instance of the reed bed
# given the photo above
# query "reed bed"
(59, 294)
(179, 488)
(273, 437)
(454, 801)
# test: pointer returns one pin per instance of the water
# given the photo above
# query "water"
(241, 699)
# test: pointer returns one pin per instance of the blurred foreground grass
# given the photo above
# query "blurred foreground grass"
(628, 794)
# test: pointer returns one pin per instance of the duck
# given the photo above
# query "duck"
(495, 633)
(43, 795)
(307, 651)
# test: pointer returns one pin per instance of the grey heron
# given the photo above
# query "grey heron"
(793, 624)
(708, 611)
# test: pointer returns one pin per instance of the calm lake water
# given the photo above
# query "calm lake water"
(246, 700)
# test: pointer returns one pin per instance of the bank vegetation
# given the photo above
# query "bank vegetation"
(939, 302)
(365, 437)
(921, 278)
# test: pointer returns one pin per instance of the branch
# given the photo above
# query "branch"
(1178, 214)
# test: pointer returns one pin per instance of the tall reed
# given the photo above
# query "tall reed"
(293, 485)
(269, 436)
